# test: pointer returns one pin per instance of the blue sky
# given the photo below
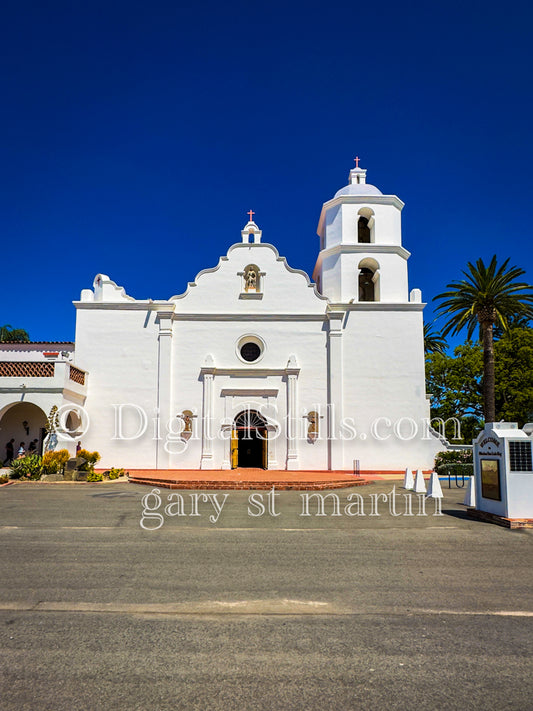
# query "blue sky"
(135, 137)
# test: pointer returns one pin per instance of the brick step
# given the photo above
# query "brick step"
(243, 485)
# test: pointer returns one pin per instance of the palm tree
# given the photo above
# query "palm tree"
(434, 342)
(8, 333)
(487, 296)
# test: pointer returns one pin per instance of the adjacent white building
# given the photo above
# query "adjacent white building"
(254, 364)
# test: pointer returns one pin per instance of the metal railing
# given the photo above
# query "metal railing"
(459, 473)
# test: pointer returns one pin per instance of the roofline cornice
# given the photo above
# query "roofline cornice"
(376, 306)
(247, 317)
(360, 249)
(126, 305)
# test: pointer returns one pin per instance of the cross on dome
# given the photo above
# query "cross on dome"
(251, 213)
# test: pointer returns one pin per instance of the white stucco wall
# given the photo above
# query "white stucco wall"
(384, 389)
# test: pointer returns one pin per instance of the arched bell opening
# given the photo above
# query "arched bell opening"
(368, 282)
(365, 226)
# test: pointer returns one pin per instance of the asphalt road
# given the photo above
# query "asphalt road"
(258, 612)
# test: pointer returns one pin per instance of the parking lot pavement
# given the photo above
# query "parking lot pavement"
(228, 606)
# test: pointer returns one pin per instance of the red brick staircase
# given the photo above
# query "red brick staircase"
(245, 479)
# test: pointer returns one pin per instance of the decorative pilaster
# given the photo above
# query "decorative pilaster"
(164, 381)
(335, 389)
(208, 373)
(292, 414)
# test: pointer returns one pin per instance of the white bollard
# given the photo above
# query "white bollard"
(470, 496)
(420, 485)
(408, 480)
(434, 487)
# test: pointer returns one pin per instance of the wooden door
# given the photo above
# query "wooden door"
(234, 449)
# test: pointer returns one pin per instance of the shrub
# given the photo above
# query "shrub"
(455, 462)
(28, 467)
(4, 479)
(54, 462)
(114, 473)
(90, 460)
(95, 476)
(459, 456)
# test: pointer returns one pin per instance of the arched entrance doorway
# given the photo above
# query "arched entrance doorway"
(249, 441)
(22, 422)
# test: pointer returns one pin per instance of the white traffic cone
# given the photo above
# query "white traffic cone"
(420, 485)
(434, 487)
(470, 496)
(408, 480)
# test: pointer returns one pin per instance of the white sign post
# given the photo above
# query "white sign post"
(503, 472)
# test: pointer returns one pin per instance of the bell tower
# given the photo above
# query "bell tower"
(361, 257)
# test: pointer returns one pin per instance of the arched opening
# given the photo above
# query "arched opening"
(366, 285)
(249, 441)
(22, 422)
(365, 226)
(368, 280)
(363, 231)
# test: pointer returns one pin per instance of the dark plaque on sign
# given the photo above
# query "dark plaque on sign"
(490, 479)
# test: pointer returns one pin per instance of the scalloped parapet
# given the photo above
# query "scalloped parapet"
(280, 289)
(105, 290)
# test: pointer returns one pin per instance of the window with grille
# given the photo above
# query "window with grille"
(520, 456)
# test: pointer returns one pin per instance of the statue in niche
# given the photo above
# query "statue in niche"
(186, 416)
(312, 430)
(251, 278)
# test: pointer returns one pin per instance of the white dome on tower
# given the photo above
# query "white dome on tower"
(358, 189)
(357, 184)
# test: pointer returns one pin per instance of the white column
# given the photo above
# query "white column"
(292, 414)
(271, 444)
(164, 382)
(335, 389)
(208, 372)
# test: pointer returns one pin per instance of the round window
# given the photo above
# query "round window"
(250, 348)
(250, 351)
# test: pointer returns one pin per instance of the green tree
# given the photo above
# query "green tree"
(514, 376)
(8, 333)
(485, 297)
(455, 383)
(434, 342)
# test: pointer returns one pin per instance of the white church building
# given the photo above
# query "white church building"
(254, 365)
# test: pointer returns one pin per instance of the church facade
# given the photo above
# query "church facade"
(255, 365)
